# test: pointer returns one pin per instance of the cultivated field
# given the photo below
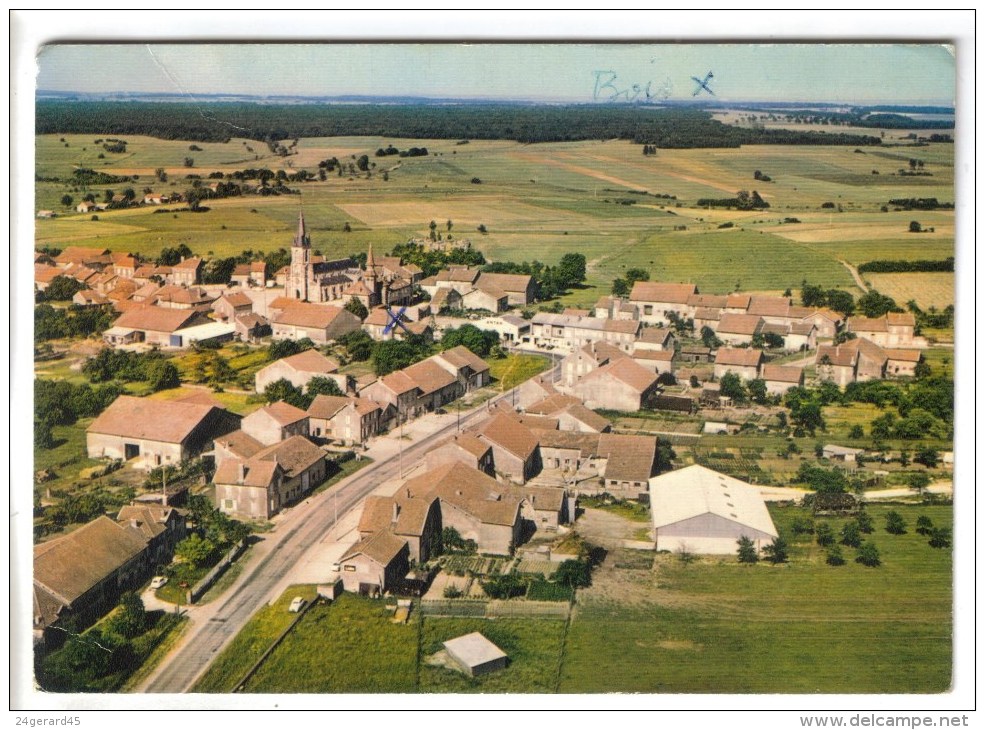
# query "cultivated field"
(927, 289)
(536, 202)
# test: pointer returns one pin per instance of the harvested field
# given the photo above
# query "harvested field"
(926, 288)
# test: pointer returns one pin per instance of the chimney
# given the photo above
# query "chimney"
(396, 512)
(134, 523)
(241, 476)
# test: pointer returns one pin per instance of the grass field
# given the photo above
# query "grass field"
(512, 370)
(719, 627)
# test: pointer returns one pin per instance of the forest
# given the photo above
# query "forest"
(213, 122)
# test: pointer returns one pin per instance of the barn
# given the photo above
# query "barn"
(475, 654)
(701, 511)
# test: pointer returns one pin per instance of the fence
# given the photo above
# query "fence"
(495, 609)
(203, 585)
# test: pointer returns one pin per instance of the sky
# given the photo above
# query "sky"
(843, 73)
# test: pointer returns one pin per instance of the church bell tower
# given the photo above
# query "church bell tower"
(300, 263)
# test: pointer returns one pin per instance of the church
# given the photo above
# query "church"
(320, 281)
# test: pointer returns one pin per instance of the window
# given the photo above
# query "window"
(647, 309)
(349, 568)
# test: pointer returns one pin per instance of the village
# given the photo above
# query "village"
(503, 493)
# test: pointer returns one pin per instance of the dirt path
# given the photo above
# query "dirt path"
(855, 275)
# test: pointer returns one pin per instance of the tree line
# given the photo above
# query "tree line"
(896, 266)
(668, 128)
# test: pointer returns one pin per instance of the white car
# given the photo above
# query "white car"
(297, 604)
(158, 582)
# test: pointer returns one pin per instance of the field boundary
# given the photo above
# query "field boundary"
(494, 609)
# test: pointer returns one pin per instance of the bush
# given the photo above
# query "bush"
(864, 521)
(940, 537)
(803, 526)
(777, 551)
(824, 535)
(574, 573)
(851, 535)
(452, 591)
(924, 525)
(506, 586)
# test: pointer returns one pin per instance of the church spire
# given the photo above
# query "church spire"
(301, 237)
(370, 261)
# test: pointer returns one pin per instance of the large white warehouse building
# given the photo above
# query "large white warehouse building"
(706, 512)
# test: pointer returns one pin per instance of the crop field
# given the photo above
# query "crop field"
(715, 626)
(927, 288)
(536, 202)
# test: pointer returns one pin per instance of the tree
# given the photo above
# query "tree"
(574, 573)
(189, 162)
(833, 556)
(777, 551)
(731, 386)
(747, 550)
(60, 289)
(915, 227)
(634, 275)
(162, 375)
(572, 269)
(808, 417)
(924, 525)
(841, 301)
(812, 295)
(865, 523)
(709, 339)
(358, 344)
(851, 535)
(868, 555)
(320, 385)
(131, 618)
(895, 524)
(620, 288)
(67, 201)
(194, 549)
(873, 304)
(824, 535)
(284, 390)
(757, 391)
(940, 537)
(919, 480)
(357, 308)
(856, 432)
(802, 526)
(928, 456)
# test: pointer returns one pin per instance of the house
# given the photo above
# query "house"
(373, 565)
(445, 298)
(774, 310)
(852, 361)
(694, 354)
(162, 526)
(738, 329)
(515, 450)
(569, 332)
(235, 445)
(630, 462)
(252, 327)
(251, 274)
(124, 265)
(81, 575)
(781, 378)
(299, 369)
(655, 338)
(94, 258)
(230, 306)
(415, 519)
(206, 333)
(475, 504)
(465, 448)
(471, 370)
(894, 329)
(47, 214)
(89, 298)
(655, 299)
(615, 308)
(397, 392)
(350, 421)
(621, 385)
(436, 385)
(321, 323)
(571, 414)
(86, 206)
(156, 432)
(276, 422)
(902, 363)
(486, 297)
(702, 511)
(475, 654)
(586, 359)
(187, 271)
(520, 289)
(827, 321)
(511, 329)
(743, 362)
(152, 325)
(261, 485)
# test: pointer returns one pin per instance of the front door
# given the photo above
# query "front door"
(131, 451)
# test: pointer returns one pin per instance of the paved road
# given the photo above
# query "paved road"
(216, 624)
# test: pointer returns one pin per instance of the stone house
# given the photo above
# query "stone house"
(321, 323)
(299, 369)
(745, 363)
(347, 420)
(276, 422)
(655, 299)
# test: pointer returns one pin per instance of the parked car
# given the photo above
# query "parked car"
(297, 604)
(158, 582)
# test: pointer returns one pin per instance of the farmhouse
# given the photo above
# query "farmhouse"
(656, 361)
(321, 323)
(894, 329)
(739, 329)
(465, 448)
(852, 361)
(841, 453)
(299, 369)
(152, 325)
(350, 421)
(515, 450)
(485, 297)
(655, 338)
(781, 378)
(743, 362)
(701, 511)
(230, 306)
(373, 565)
(901, 363)
(187, 271)
(520, 289)
(417, 520)
(615, 308)
(89, 298)
(571, 414)
(156, 432)
(570, 332)
(251, 274)
(252, 327)
(620, 385)
(655, 299)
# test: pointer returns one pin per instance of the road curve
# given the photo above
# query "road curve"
(306, 525)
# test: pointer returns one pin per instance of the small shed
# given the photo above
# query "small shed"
(475, 654)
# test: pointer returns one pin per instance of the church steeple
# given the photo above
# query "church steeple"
(301, 237)
(370, 261)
